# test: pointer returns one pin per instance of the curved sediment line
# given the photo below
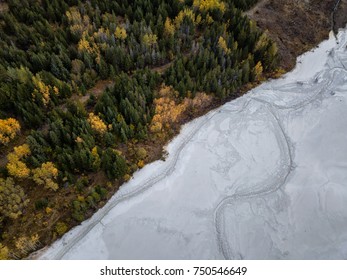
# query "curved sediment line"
(279, 178)
(270, 185)
(239, 110)
(302, 103)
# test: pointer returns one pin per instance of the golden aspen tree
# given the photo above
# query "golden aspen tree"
(18, 169)
(22, 151)
(8, 130)
(84, 45)
(258, 70)
(169, 27)
(74, 16)
(209, 19)
(263, 41)
(188, 13)
(223, 45)
(120, 33)
(77, 23)
(96, 157)
(25, 244)
(126, 177)
(140, 164)
(15, 166)
(4, 252)
(149, 39)
(97, 124)
(12, 199)
(167, 111)
(88, 45)
(55, 90)
(46, 176)
(206, 5)
(41, 88)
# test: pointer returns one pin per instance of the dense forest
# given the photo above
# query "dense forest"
(90, 89)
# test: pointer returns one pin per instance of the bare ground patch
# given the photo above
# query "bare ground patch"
(297, 25)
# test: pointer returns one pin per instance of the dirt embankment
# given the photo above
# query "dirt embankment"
(341, 15)
(297, 25)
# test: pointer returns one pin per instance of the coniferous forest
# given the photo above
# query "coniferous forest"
(90, 91)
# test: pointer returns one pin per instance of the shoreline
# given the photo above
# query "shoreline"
(133, 190)
(163, 147)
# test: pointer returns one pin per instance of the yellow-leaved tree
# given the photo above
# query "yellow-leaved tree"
(8, 130)
(25, 245)
(12, 199)
(46, 176)
(84, 45)
(15, 166)
(77, 23)
(149, 39)
(97, 124)
(223, 45)
(41, 88)
(167, 111)
(88, 45)
(96, 159)
(207, 5)
(4, 252)
(187, 13)
(169, 27)
(120, 33)
(258, 70)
